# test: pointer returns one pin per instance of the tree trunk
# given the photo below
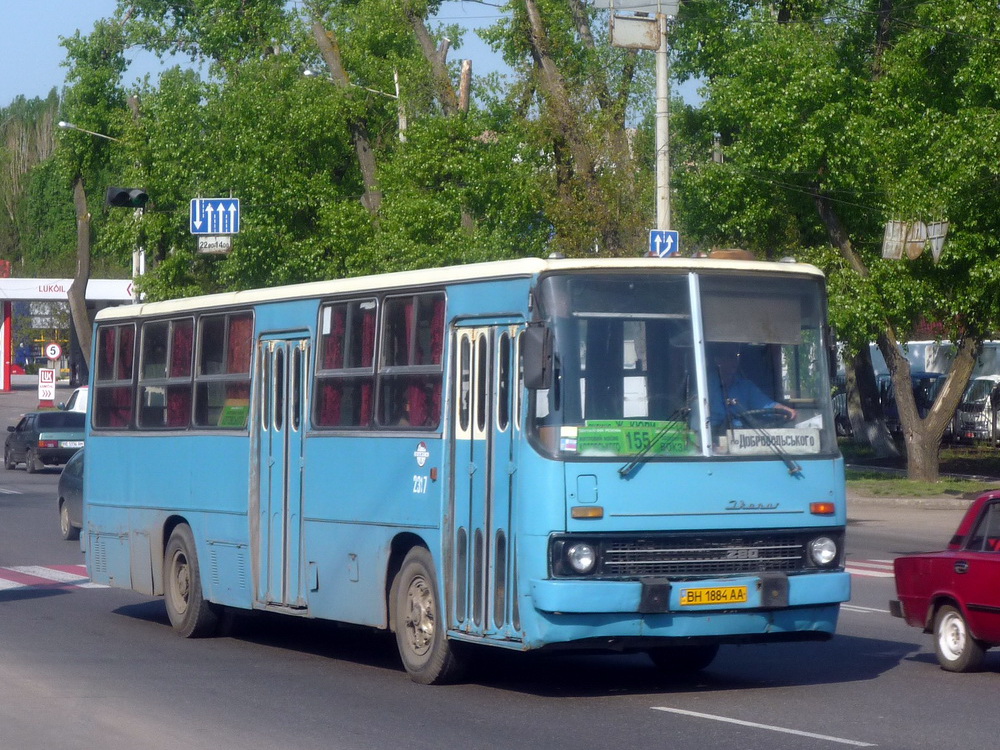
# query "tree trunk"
(77, 293)
(865, 407)
(372, 199)
(922, 434)
(557, 95)
(437, 60)
(922, 460)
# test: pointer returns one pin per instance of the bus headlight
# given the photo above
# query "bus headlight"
(581, 557)
(823, 551)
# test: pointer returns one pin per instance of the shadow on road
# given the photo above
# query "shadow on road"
(845, 659)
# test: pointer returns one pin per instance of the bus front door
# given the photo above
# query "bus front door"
(486, 426)
(284, 365)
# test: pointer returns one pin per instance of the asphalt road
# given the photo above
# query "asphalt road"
(85, 667)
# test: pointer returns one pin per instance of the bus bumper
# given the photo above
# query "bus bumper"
(669, 598)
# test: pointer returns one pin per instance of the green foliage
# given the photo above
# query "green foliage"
(903, 128)
(48, 224)
(451, 165)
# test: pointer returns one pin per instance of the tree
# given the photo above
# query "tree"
(833, 122)
(597, 187)
(94, 100)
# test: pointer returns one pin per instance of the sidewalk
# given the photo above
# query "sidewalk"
(23, 397)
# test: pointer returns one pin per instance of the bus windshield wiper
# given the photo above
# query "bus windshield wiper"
(678, 418)
(793, 466)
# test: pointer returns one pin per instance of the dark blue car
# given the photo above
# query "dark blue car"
(71, 497)
(44, 438)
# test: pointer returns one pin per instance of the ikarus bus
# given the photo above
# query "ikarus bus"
(624, 455)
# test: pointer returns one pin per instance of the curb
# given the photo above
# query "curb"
(943, 502)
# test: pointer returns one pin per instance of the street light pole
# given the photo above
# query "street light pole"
(70, 126)
(400, 112)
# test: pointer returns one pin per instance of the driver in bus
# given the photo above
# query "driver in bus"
(730, 395)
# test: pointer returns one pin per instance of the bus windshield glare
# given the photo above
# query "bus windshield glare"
(676, 366)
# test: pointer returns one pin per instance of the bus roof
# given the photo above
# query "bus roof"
(520, 268)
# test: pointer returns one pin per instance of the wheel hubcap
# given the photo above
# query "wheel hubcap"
(419, 619)
(182, 582)
(952, 637)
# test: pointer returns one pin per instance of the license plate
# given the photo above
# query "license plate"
(70, 443)
(714, 595)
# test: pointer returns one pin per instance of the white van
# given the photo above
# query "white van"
(975, 417)
(78, 400)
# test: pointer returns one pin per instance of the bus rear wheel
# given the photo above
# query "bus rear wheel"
(683, 660)
(190, 614)
(427, 654)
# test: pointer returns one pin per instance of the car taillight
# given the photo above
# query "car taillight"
(48, 443)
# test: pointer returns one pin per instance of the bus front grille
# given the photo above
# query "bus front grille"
(701, 557)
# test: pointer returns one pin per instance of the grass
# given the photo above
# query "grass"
(979, 465)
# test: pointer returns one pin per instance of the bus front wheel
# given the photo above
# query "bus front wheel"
(427, 654)
(190, 614)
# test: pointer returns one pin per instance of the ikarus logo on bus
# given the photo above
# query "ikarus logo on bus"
(421, 453)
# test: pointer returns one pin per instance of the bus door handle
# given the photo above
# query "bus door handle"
(472, 468)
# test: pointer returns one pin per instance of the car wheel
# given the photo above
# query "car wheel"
(31, 464)
(68, 530)
(681, 660)
(956, 649)
(8, 459)
(427, 654)
(191, 615)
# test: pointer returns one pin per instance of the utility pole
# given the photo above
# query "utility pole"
(662, 127)
(644, 24)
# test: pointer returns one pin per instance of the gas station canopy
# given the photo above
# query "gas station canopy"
(98, 290)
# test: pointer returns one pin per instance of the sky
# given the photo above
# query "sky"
(31, 56)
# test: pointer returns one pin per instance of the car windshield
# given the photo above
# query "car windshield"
(632, 373)
(978, 390)
(57, 420)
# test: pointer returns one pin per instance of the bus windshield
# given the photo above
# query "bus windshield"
(678, 365)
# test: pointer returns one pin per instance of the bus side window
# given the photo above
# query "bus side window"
(165, 374)
(410, 372)
(114, 396)
(345, 378)
(222, 392)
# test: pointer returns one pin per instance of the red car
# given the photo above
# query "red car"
(955, 593)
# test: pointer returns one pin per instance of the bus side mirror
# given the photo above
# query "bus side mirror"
(536, 357)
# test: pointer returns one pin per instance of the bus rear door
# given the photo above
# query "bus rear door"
(283, 365)
(485, 434)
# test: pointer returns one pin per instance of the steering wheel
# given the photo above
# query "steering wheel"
(765, 418)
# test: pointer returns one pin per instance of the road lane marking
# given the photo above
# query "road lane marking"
(856, 608)
(769, 727)
(870, 568)
(40, 576)
(5, 491)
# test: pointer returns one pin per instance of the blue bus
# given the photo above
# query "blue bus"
(627, 455)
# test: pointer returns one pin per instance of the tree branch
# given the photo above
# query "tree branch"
(77, 294)
(326, 41)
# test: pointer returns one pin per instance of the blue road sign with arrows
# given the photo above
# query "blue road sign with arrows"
(215, 216)
(664, 242)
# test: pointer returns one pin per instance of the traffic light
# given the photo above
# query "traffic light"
(127, 197)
